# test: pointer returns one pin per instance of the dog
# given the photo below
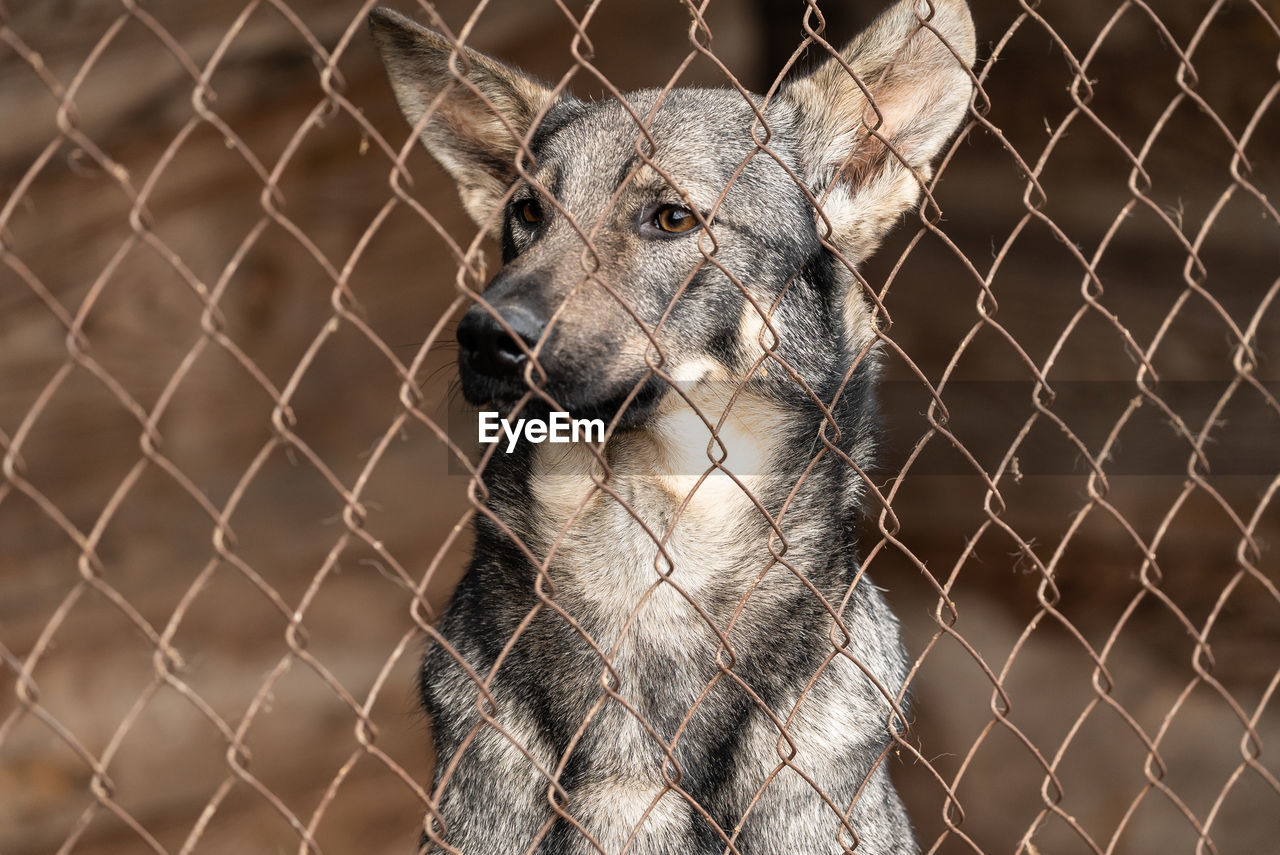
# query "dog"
(664, 643)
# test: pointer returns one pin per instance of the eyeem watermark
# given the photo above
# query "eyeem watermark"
(559, 427)
(986, 416)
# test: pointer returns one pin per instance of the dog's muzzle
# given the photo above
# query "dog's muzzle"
(491, 345)
(495, 343)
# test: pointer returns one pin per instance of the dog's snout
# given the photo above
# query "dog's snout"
(488, 347)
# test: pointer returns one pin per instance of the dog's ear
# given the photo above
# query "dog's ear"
(476, 129)
(913, 61)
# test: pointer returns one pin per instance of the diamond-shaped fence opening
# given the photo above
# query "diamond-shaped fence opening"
(240, 482)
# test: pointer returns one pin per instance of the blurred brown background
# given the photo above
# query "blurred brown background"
(111, 549)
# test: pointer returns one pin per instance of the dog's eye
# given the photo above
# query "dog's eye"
(529, 211)
(675, 219)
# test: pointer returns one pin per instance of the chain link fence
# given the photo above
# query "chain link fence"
(238, 485)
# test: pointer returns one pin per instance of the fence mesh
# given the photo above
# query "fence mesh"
(236, 496)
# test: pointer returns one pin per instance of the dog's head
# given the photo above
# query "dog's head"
(663, 230)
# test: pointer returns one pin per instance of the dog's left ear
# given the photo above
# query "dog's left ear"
(475, 130)
(914, 62)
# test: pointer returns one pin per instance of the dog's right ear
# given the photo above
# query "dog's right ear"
(476, 128)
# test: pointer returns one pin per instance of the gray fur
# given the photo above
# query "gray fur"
(618, 720)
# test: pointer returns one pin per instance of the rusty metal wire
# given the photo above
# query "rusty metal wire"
(226, 531)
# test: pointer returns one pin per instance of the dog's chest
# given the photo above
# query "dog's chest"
(648, 561)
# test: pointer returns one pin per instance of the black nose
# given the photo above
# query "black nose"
(488, 348)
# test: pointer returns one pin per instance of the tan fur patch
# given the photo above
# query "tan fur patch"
(703, 517)
(615, 811)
